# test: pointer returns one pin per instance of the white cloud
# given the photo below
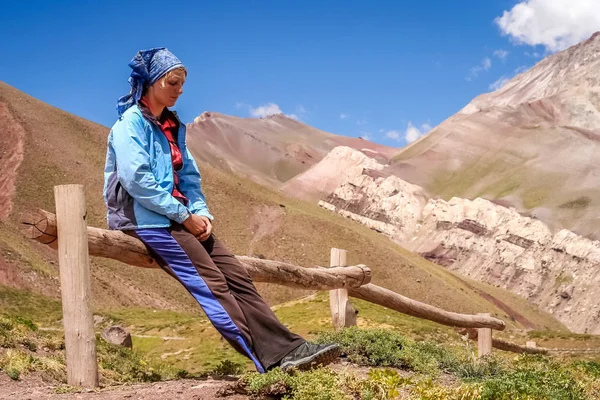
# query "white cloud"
(521, 69)
(485, 65)
(499, 83)
(362, 122)
(554, 24)
(272, 109)
(265, 110)
(411, 133)
(343, 116)
(534, 54)
(395, 135)
(501, 54)
(503, 80)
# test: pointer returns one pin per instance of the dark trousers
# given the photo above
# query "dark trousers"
(224, 290)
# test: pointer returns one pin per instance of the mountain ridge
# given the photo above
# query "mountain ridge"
(519, 144)
(269, 150)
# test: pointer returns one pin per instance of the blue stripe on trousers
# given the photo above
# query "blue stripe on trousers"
(163, 244)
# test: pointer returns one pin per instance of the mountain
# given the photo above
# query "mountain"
(507, 191)
(268, 150)
(533, 144)
(42, 146)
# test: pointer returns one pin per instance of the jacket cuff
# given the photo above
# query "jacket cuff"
(182, 216)
(204, 214)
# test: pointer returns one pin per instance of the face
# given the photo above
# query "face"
(167, 89)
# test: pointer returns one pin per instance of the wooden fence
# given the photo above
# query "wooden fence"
(67, 232)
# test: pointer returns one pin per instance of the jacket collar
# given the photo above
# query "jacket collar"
(150, 117)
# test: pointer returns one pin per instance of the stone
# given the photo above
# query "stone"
(117, 335)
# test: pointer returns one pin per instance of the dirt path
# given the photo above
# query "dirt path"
(33, 388)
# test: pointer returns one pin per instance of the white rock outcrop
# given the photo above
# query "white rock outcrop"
(341, 165)
(559, 271)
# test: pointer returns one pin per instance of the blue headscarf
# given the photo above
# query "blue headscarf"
(148, 67)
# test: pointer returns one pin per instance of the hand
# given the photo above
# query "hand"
(208, 229)
(195, 225)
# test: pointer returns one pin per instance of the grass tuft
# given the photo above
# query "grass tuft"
(387, 348)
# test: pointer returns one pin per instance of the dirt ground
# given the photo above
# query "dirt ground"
(34, 388)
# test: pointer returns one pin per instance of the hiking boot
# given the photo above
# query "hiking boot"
(310, 355)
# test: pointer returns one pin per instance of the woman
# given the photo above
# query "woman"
(152, 191)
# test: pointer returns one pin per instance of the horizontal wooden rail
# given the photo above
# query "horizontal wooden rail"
(392, 300)
(40, 225)
(500, 344)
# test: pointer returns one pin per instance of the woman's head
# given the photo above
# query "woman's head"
(167, 89)
(155, 71)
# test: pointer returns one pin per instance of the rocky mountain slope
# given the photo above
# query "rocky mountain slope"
(268, 150)
(532, 145)
(555, 269)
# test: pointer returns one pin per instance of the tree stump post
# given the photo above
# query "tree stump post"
(75, 286)
(343, 315)
(484, 339)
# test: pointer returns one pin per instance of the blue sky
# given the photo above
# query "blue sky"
(354, 68)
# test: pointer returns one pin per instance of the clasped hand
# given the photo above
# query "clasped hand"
(199, 226)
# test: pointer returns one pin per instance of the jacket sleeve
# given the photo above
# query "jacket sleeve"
(190, 185)
(131, 147)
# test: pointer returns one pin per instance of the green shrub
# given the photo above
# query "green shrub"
(382, 384)
(228, 367)
(487, 367)
(591, 368)
(428, 390)
(318, 384)
(15, 363)
(533, 378)
(274, 382)
(386, 348)
(119, 364)
(25, 322)
(16, 330)
(587, 373)
(373, 347)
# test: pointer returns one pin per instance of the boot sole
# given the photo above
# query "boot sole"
(324, 357)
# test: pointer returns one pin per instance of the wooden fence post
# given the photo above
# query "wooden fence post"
(484, 339)
(342, 312)
(75, 285)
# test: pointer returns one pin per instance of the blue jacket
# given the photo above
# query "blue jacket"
(138, 177)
